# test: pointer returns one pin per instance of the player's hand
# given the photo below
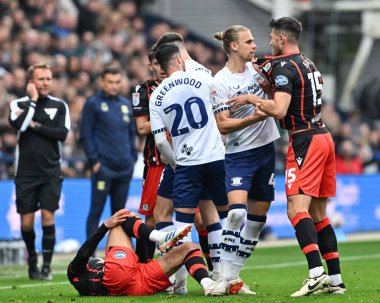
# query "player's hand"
(96, 167)
(242, 100)
(32, 92)
(163, 159)
(259, 115)
(117, 218)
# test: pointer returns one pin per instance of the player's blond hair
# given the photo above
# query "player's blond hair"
(230, 35)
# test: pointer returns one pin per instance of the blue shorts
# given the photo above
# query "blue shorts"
(165, 188)
(204, 181)
(253, 171)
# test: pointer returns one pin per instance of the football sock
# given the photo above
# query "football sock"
(135, 227)
(328, 245)
(29, 237)
(142, 250)
(223, 217)
(48, 242)
(249, 237)
(203, 242)
(214, 235)
(231, 237)
(195, 265)
(307, 239)
(182, 219)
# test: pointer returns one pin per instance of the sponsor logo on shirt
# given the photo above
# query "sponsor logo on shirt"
(120, 254)
(236, 181)
(124, 109)
(283, 63)
(135, 99)
(186, 149)
(281, 80)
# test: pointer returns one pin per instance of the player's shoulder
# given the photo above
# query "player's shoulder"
(57, 101)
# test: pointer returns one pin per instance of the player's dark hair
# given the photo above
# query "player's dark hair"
(152, 52)
(165, 54)
(110, 70)
(291, 26)
(170, 37)
(230, 35)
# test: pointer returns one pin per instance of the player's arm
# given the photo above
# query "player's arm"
(78, 264)
(143, 125)
(164, 147)
(60, 131)
(159, 132)
(227, 125)
(276, 107)
(141, 110)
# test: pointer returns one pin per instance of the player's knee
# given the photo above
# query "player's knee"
(189, 246)
(235, 217)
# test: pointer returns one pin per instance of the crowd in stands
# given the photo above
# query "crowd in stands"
(80, 37)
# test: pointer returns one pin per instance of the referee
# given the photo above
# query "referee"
(42, 122)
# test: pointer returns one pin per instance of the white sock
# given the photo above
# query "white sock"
(157, 235)
(213, 239)
(231, 239)
(316, 271)
(206, 282)
(249, 236)
(335, 279)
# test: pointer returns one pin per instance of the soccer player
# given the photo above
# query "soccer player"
(43, 123)
(310, 164)
(250, 154)
(208, 233)
(120, 274)
(153, 164)
(197, 144)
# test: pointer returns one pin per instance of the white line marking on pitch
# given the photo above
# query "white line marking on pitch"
(278, 265)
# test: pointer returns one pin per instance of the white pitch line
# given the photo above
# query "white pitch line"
(299, 263)
(278, 265)
(34, 285)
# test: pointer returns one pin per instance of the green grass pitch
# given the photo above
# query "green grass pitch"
(274, 273)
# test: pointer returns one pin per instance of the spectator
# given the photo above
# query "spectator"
(347, 161)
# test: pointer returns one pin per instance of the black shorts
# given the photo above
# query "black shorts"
(34, 193)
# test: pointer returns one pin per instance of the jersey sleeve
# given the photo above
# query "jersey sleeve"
(140, 101)
(157, 124)
(283, 77)
(218, 97)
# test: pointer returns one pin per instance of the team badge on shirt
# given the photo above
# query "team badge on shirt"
(120, 254)
(104, 106)
(135, 99)
(124, 109)
(281, 80)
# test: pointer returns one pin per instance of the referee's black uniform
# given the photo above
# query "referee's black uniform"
(38, 177)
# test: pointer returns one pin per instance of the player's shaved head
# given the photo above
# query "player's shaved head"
(166, 54)
(289, 26)
(171, 37)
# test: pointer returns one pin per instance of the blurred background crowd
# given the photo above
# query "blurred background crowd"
(80, 37)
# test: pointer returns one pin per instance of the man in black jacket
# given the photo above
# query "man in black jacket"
(42, 122)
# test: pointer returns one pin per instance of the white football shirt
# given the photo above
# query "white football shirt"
(181, 104)
(226, 85)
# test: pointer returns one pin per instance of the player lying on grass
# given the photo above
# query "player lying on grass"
(120, 274)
